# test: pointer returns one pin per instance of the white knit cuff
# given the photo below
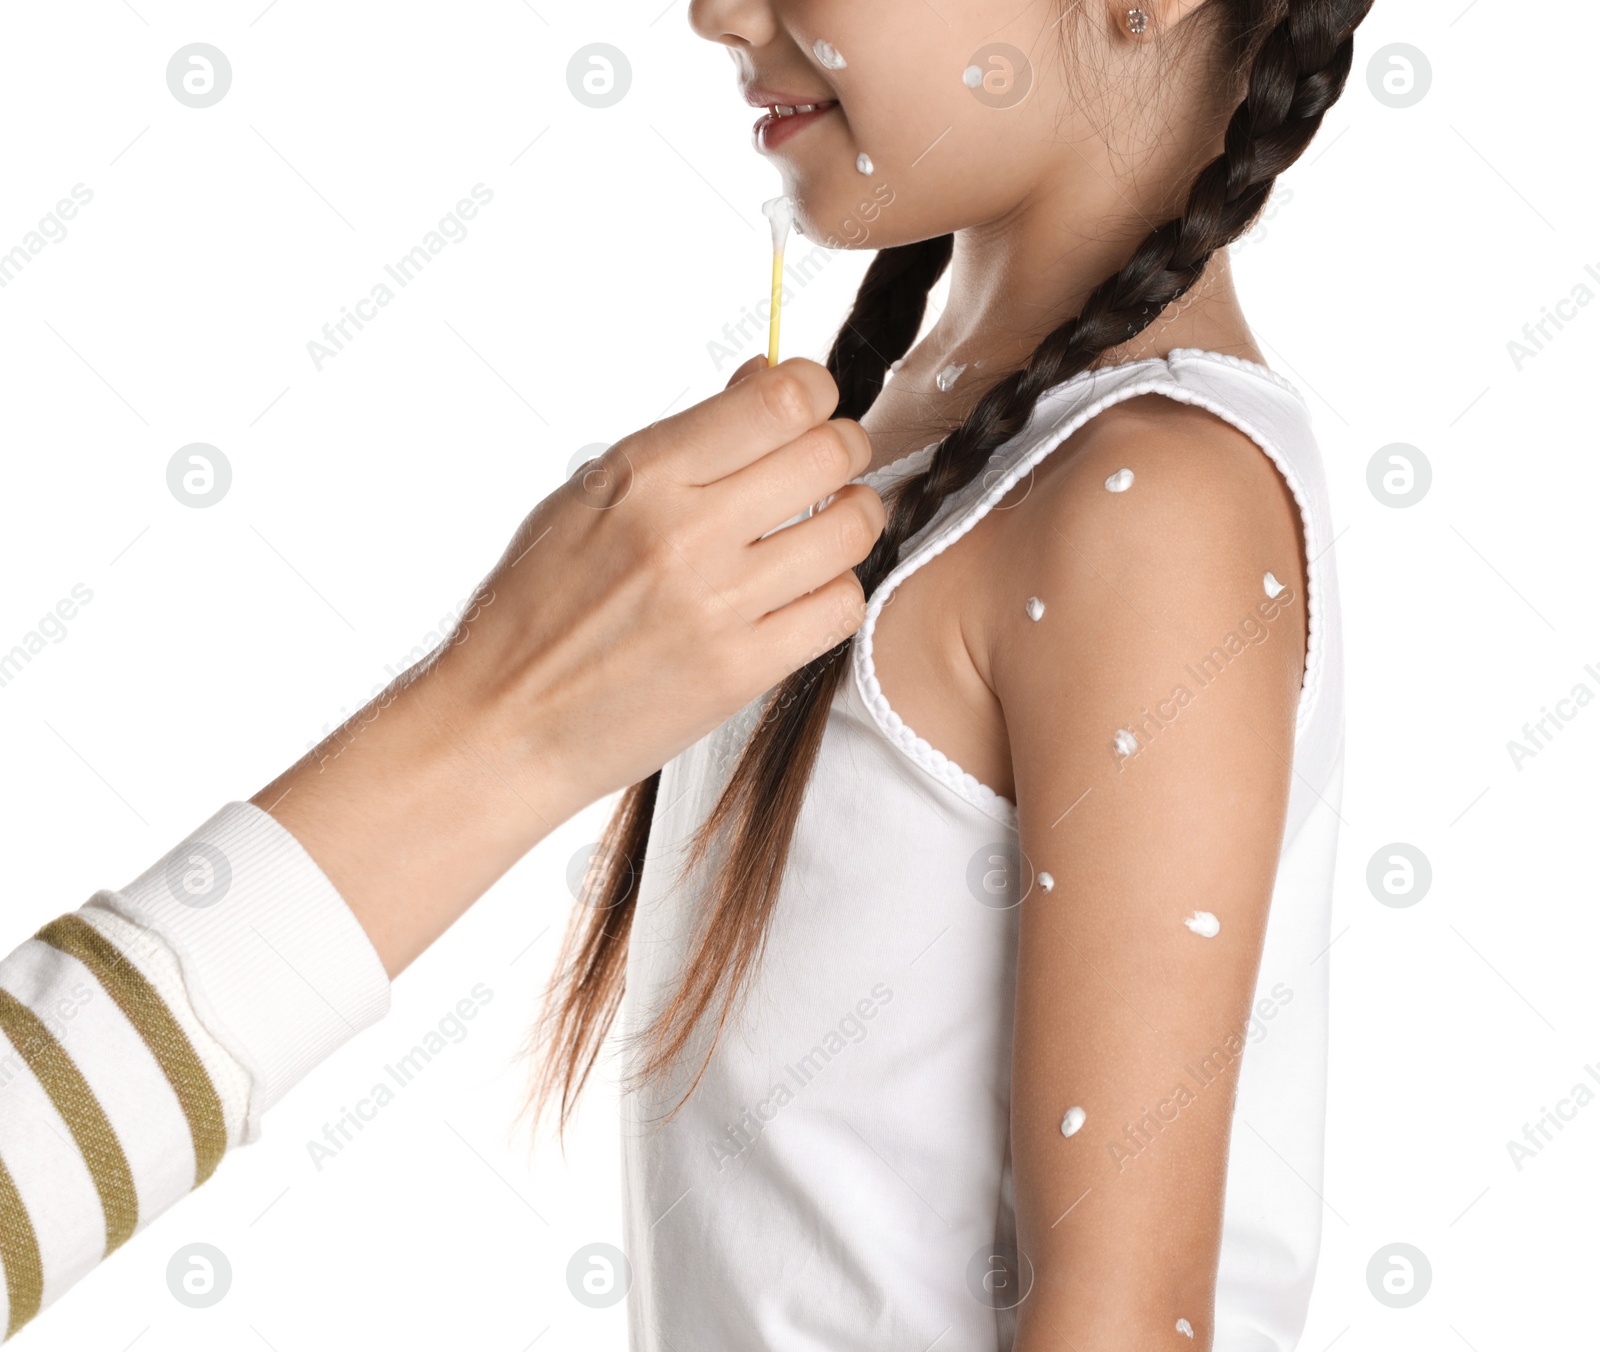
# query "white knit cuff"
(276, 964)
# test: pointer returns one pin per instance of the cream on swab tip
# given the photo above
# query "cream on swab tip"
(780, 212)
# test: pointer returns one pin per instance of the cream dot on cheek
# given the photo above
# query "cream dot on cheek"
(863, 163)
(1035, 608)
(828, 54)
(1120, 482)
(972, 76)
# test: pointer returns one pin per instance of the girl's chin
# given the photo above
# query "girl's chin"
(841, 211)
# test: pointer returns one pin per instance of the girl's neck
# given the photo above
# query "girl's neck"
(991, 322)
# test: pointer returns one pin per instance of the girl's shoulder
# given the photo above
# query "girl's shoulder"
(1144, 483)
(1154, 512)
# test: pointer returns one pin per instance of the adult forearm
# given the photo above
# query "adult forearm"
(418, 804)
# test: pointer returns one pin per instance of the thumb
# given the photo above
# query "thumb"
(749, 368)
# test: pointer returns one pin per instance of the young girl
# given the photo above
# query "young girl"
(973, 994)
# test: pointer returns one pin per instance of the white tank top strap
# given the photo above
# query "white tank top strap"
(1257, 401)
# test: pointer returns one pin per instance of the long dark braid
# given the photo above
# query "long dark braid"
(1298, 74)
(885, 320)
(1298, 54)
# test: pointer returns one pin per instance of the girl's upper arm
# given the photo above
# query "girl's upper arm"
(1151, 711)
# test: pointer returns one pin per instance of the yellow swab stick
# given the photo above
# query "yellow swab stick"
(779, 211)
(777, 308)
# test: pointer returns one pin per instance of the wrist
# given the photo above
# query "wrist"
(417, 805)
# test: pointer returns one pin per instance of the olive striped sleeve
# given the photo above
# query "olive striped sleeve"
(144, 1034)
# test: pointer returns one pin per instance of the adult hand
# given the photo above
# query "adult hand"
(636, 608)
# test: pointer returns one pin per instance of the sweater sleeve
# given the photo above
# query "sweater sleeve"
(144, 1034)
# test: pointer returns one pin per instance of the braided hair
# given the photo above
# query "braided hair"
(1298, 55)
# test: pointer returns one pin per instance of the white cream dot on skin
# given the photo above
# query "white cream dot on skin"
(1120, 482)
(1072, 1120)
(947, 378)
(1271, 585)
(1125, 742)
(972, 77)
(1046, 882)
(1035, 608)
(897, 363)
(1186, 1328)
(828, 54)
(863, 163)
(1203, 923)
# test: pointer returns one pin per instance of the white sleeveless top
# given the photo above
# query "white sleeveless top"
(842, 1174)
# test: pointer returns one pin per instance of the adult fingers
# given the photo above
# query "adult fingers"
(722, 434)
(809, 554)
(808, 627)
(760, 497)
(756, 363)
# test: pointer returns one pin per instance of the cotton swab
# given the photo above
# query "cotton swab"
(779, 211)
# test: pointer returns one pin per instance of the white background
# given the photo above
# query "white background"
(367, 499)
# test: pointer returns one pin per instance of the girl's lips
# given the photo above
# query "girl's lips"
(771, 131)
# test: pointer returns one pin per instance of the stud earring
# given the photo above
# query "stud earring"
(1138, 21)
